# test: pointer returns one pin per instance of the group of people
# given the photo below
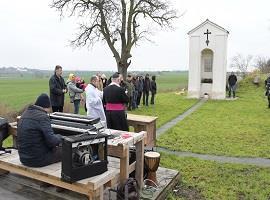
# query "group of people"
(105, 99)
(139, 87)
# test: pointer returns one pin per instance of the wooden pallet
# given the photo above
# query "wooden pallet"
(92, 187)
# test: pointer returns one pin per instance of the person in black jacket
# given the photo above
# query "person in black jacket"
(153, 89)
(267, 87)
(232, 84)
(115, 99)
(146, 89)
(58, 89)
(37, 143)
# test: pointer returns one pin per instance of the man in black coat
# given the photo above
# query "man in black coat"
(232, 84)
(153, 89)
(267, 87)
(146, 89)
(115, 99)
(58, 89)
(37, 143)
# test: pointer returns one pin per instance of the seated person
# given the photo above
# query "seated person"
(37, 143)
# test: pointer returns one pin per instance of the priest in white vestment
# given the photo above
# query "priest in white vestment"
(94, 103)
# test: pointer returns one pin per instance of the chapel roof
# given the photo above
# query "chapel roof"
(207, 21)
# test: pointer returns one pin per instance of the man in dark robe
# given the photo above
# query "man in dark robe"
(115, 99)
(146, 89)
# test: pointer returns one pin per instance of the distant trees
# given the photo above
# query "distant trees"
(262, 64)
(120, 23)
(241, 62)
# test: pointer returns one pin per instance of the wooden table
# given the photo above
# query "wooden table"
(117, 147)
(144, 123)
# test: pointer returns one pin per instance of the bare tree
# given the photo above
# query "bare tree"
(241, 63)
(120, 23)
(263, 64)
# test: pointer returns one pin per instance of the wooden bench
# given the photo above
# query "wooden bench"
(144, 123)
(92, 187)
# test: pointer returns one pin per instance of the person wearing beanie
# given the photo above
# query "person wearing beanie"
(58, 89)
(37, 143)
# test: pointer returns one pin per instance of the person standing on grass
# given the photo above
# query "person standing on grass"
(146, 89)
(75, 93)
(130, 89)
(153, 89)
(58, 89)
(115, 99)
(267, 87)
(232, 80)
(139, 83)
(94, 97)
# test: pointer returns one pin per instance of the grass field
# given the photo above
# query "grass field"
(167, 106)
(16, 93)
(237, 128)
(210, 180)
(233, 128)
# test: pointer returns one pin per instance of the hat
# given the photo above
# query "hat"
(43, 101)
(78, 79)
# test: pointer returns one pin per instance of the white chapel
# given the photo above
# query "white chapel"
(207, 61)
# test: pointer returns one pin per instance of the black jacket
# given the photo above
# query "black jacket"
(146, 85)
(56, 90)
(36, 139)
(153, 87)
(232, 80)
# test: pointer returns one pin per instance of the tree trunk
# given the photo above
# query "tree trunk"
(122, 69)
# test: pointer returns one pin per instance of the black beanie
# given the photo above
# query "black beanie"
(43, 101)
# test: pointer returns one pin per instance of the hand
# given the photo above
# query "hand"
(64, 90)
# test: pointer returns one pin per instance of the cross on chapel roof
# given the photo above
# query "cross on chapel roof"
(205, 22)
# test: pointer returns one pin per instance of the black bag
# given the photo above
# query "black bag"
(128, 191)
(3, 130)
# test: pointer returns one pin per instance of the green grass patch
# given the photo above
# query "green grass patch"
(18, 92)
(211, 180)
(171, 81)
(232, 128)
(167, 107)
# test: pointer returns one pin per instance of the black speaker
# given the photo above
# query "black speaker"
(83, 156)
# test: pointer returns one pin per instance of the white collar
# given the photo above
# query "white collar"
(113, 83)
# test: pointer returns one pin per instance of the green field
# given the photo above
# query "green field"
(235, 128)
(232, 128)
(167, 106)
(16, 93)
(202, 180)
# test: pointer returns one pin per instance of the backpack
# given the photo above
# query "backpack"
(128, 191)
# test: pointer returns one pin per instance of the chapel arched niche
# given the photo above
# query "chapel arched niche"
(207, 56)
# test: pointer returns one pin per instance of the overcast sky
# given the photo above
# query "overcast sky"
(34, 36)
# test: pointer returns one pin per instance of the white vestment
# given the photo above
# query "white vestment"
(94, 103)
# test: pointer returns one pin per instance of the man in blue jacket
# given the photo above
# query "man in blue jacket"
(37, 143)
